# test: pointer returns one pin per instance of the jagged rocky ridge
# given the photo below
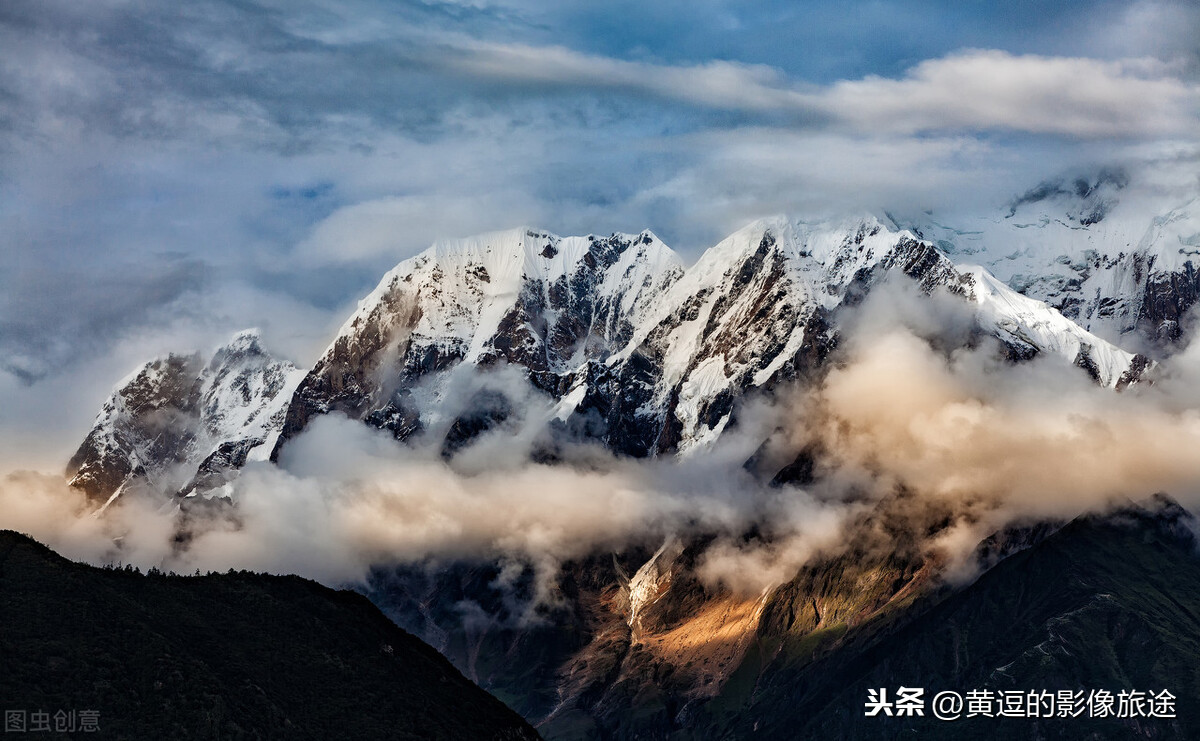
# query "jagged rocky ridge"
(626, 347)
(181, 424)
(636, 352)
(545, 304)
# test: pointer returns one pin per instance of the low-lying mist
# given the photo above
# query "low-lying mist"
(914, 402)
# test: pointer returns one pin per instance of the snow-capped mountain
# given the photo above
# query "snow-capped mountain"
(182, 425)
(1092, 248)
(759, 308)
(636, 352)
(523, 297)
(619, 343)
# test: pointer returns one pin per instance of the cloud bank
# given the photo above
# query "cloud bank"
(975, 90)
(910, 406)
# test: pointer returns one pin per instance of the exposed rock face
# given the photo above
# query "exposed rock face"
(526, 298)
(650, 651)
(1106, 600)
(636, 645)
(607, 340)
(182, 425)
(629, 349)
(1116, 266)
(147, 425)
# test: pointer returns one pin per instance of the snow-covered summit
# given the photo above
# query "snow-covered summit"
(643, 355)
(1120, 261)
(179, 417)
(761, 307)
(611, 335)
(523, 296)
(465, 288)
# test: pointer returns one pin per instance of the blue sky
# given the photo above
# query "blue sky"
(173, 172)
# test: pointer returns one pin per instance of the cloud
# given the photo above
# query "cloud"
(309, 80)
(42, 506)
(399, 504)
(718, 84)
(1160, 28)
(914, 416)
(978, 90)
(990, 89)
(757, 171)
(398, 226)
(346, 497)
(42, 330)
(962, 425)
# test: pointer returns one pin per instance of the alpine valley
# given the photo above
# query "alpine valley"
(577, 352)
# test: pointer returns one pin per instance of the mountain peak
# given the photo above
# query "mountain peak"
(531, 243)
(1115, 256)
(246, 338)
(245, 344)
(834, 250)
(1085, 198)
(178, 416)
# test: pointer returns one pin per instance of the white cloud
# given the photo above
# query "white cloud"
(1166, 29)
(1046, 95)
(718, 84)
(975, 90)
(398, 226)
(734, 176)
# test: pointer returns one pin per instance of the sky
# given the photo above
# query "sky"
(171, 173)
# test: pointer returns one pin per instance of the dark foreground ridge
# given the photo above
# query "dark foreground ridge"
(227, 656)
